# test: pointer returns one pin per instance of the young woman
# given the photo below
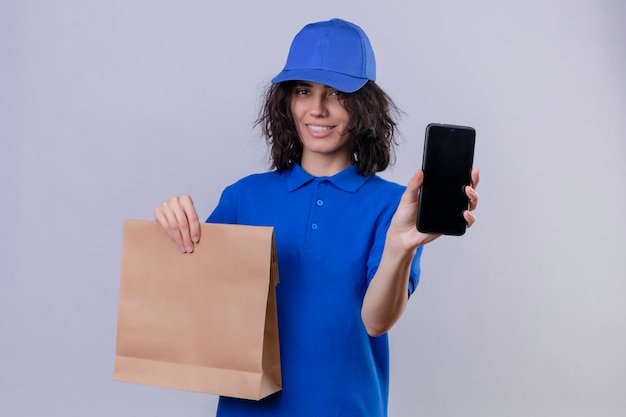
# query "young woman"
(348, 248)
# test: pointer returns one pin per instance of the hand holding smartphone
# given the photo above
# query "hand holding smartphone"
(447, 165)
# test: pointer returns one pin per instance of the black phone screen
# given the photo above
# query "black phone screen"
(447, 164)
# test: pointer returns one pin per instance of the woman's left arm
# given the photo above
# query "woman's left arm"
(387, 295)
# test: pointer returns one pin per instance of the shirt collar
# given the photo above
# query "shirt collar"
(347, 180)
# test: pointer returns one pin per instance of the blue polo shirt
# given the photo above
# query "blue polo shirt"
(330, 233)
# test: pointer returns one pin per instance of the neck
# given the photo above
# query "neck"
(324, 167)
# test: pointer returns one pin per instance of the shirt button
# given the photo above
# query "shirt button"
(320, 202)
(314, 226)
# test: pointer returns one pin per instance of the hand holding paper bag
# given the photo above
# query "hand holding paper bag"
(204, 321)
(179, 218)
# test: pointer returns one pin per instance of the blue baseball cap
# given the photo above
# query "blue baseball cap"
(336, 53)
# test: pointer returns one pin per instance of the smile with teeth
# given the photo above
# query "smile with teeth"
(319, 128)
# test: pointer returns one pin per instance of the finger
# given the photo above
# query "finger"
(177, 224)
(470, 219)
(471, 190)
(164, 215)
(475, 177)
(181, 210)
(472, 195)
(192, 217)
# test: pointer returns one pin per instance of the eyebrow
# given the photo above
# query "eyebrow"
(308, 84)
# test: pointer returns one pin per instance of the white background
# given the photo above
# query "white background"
(108, 108)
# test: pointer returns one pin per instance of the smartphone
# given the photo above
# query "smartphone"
(447, 164)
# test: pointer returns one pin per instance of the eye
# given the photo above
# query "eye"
(336, 94)
(299, 91)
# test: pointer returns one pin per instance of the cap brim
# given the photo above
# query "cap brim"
(341, 82)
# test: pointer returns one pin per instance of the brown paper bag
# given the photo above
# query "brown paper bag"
(205, 321)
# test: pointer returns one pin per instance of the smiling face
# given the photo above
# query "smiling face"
(322, 124)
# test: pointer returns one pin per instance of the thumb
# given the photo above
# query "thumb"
(412, 189)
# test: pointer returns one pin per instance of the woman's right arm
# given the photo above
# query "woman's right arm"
(179, 219)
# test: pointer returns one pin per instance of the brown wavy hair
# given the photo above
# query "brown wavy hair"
(372, 127)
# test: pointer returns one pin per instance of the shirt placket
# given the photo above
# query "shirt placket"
(317, 214)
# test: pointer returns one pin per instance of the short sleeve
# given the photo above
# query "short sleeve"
(414, 277)
(226, 209)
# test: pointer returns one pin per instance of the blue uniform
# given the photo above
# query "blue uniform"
(330, 233)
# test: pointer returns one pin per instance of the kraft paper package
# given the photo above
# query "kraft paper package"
(203, 321)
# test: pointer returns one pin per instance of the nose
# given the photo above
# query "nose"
(318, 107)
